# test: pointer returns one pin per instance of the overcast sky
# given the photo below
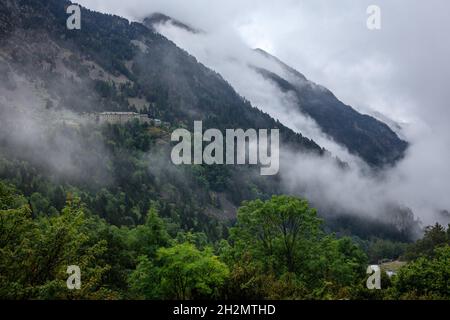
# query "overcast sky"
(401, 70)
(403, 66)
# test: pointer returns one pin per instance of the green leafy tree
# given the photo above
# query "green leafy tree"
(282, 239)
(434, 237)
(188, 273)
(147, 238)
(35, 254)
(278, 229)
(144, 280)
(424, 278)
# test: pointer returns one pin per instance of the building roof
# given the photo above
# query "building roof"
(120, 113)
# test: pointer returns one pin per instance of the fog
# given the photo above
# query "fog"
(47, 137)
(397, 74)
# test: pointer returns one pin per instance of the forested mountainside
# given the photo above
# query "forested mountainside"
(361, 134)
(106, 198)
(114, 65)
(137, 61)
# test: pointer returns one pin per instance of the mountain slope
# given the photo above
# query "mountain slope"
(112, 64)
(138, 62)
(48, 71)
(363, 135)
(160, 18)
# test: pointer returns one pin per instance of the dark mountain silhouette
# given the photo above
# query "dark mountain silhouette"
(363, 135)
(160, 18)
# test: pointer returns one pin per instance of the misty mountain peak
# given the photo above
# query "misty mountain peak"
(287, 68)
(158, 18)
(371, 139)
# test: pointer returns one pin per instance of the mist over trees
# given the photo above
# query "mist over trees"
(107, 199)
(267, 256)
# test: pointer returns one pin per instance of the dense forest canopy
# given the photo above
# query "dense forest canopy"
(276, 250)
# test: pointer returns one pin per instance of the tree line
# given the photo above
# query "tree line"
(276, 250)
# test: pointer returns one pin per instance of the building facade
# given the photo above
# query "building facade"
(122, 117)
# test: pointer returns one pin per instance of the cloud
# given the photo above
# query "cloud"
(50, 139)
(399, 73)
